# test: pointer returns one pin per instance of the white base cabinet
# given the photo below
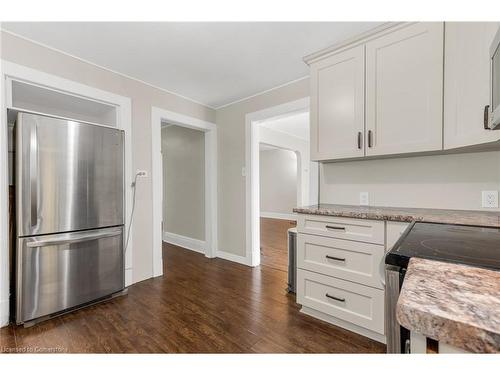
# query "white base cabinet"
(345, 300)
(340, 272)
(419, 345)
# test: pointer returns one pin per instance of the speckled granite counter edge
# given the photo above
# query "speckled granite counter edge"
(404, 214)
(418, 307)
(358, 215)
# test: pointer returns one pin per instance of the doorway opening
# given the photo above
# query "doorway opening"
(284, 128)
(208, 246)
(278, 197)
(183, 166)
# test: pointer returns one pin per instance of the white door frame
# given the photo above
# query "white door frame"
(158, 116)
(11, 71)
(252, 172)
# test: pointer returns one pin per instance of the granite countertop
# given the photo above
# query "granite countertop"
(483, 218)
(452, 303)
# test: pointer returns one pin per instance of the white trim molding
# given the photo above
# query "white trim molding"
(103, 67)
(159, 115)
(252, 191)
(11, 71)
(278, 215)
(4, 312)
(233, 257)
(185, 242)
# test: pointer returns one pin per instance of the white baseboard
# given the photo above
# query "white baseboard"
(343, 324)
(185, 242)
(232, 257)
(4, 313)
(279, 215)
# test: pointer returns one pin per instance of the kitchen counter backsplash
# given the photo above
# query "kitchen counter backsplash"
(464, 217)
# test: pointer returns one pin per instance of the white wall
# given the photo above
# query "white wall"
(444, 181)
(285, 141)
(23, 52)
(278, 181)
(183, 153)
(231, 141)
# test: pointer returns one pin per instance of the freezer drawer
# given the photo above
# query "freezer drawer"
(58, 272)
(69, 175)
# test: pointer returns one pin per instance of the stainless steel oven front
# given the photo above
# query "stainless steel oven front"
(398, 337)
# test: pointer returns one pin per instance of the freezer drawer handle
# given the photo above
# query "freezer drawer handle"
(334, 227)
(335, 258)
(73, 238)
(335, 298)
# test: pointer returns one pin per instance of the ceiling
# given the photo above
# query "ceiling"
(296, 125)
(213, 63)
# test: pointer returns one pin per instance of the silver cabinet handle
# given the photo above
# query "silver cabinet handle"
(335, 298)
(33, 170)
(335, 258)
(66, 238)
(334, 227)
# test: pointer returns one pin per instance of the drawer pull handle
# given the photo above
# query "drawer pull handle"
(335, 298)
(335, 258)
(334, 227)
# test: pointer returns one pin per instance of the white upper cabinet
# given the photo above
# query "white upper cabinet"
(467, 83)
(337, 105)
(404, 90)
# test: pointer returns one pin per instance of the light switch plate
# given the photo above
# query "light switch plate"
(364, 198)
(490, 198)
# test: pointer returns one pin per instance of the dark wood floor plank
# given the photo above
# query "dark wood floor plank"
(200, 305)
(273, 242)
(7, 340)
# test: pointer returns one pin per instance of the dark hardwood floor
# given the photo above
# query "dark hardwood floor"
(200, 305)
(274, 242)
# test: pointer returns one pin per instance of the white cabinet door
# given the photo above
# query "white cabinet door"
(404, 90)
(337, 105)
(467, 83)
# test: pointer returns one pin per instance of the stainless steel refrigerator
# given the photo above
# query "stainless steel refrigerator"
(69, 179)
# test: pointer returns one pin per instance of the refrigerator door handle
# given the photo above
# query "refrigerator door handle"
(68, 238)
(33, 172)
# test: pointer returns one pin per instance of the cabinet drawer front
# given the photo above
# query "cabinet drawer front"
(348, 260)
(344, 228)
(354, 303)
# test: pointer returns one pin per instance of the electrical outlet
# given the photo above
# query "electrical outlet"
(364, 198)
(490, 198)
(141, 173)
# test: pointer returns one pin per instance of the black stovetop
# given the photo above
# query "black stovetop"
(472, 245)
